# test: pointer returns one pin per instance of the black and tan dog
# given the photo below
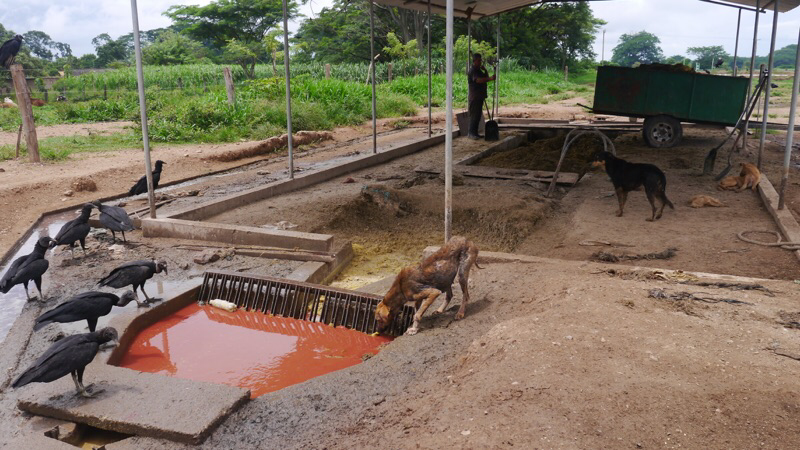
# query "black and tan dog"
(628, 177)
(422, 284)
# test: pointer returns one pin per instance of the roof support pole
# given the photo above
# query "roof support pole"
(768, 89)
(496, 107)
(372, 75)
(148, 171)
(448, 138)
(289, 140)
(787, 155)
(469, 44)
(750, 84)
(430, 75)
(736, 47)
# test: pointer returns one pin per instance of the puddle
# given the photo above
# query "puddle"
(11, 304)
(247, 349)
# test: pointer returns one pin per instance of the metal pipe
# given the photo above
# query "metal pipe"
(430, 75)
(448, 138)
(768, 90)
(469, 44)
(736, 47)
(289, 140)
(750, 81)
(787, 155)
(148, 171)
(372, 65)
(496, 100)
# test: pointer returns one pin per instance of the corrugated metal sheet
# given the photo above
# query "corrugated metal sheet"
(489, 8)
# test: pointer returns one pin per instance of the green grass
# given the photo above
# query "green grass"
(59, 148)
(196, 114)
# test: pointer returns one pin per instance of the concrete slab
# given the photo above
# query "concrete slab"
(783, 217)
(138, 403)
(380, 287)
(235, 234)
(234, 201)
(324, 272)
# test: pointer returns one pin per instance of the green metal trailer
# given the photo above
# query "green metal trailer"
(665, 98)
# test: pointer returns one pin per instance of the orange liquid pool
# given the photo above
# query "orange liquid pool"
(247, 349)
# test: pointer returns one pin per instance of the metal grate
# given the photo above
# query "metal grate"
(298, 300)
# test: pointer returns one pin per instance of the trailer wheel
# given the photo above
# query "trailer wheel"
(662, 131)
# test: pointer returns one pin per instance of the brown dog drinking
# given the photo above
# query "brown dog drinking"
(422, 284)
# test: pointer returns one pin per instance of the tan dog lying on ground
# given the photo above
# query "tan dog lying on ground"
(422, 284)
(699, 201)
(749, 177)
(729, 183)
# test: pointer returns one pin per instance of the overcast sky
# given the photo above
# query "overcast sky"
(678, 23)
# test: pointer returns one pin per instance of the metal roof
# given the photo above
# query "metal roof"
(490, 8)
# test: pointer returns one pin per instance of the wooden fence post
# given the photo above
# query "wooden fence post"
(26, 111)
(327, 71)
(229, 85)
(390, 72)
(566, 73)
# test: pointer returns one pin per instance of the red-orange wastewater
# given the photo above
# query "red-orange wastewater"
(247, 349)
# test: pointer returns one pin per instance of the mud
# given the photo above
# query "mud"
(543, 154)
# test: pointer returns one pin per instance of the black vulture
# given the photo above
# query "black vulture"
(141, 186)
(87, 306)
(69, 355)
(134, 274)
(9, 50)
(115, 219)
(75, 230)
(27, 268)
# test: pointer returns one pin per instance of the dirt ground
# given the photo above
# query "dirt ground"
(555, 352)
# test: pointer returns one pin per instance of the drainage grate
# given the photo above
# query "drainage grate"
(298, 300)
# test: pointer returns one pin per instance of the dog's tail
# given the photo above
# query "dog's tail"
(669, 203)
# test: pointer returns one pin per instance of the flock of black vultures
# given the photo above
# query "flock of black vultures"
(72, 354)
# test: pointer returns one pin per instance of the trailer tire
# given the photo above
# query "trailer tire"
(662, 131)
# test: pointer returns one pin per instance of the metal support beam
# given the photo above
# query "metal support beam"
(372, 75)
(787, 155)
(736, 47)
(148, 170)
(768, 89)
(750, 83)
(290, 140)
(430, 76)
(448, 139)
(496, 106)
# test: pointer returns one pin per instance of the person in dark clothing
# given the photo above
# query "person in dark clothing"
(477, 77)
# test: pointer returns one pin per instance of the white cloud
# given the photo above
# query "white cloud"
(681, 24)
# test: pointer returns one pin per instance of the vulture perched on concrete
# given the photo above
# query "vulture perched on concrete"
(135, 274)
(75, 230)
(69, 355)
(87, 306)
(28, 268)
(115, 219)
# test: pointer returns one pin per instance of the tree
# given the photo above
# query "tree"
(641, 47)
(705, 57)
(246, 21)
(87, 61)
(676, 59)
(109, 50)
(398, 50)
(172, 48)
(245, 54)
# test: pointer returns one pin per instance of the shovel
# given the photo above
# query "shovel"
(708, 164)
